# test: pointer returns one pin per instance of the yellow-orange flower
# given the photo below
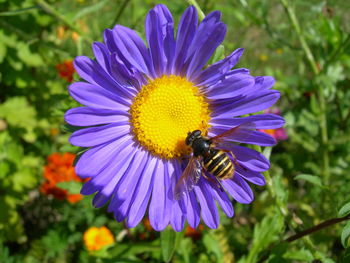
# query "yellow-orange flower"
(96, 238)
(60, 169)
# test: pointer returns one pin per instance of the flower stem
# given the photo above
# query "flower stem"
(321, 97)
(201, 14)
(316, 228)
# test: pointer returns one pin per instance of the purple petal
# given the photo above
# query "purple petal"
(128, 45)
(94, 136)
(102, 54)
(208, 37)
(96, 97)
(264, 82)
(142, 194)
(209, 211)
(84, 116)
(239, 189)
(238, 84)
(251, 176)
(246, 136)
(161, 203)
(223, 200)
(178, 212)
(261, 121)
(186, 31)
(160, 38)
(93, 73)
(166, 20)
(193, 210)
(125, 190)
(127, 75)
(236, 107)
(113, 175)
(94, 160)
(251, 159)
(218, 70)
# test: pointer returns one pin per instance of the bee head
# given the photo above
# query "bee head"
(191, 136)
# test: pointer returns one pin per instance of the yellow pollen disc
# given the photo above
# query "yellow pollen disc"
(164, 111)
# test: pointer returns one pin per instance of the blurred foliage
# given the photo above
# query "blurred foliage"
(309, 172)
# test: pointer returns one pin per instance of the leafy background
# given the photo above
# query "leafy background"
(304, 44)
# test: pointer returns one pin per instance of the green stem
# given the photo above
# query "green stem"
(201, 14)
(271, 189)
(18, 11)
(304, 234)
(321, 97)
(120, 12)
(48, 9)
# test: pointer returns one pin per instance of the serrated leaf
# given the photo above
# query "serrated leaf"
(345, 210)
(167, 242)
(309, 178)
(345, 235)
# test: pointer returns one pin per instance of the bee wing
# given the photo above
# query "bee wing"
(189, 178)
(239, 133)
(215, 182)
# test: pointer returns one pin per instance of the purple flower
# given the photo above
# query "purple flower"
(140, 103)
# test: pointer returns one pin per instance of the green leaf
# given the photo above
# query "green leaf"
(345, 235)
(72, 187)
(17, 112)
(265, 232)
(167, 241)
(267, 152)
(27, 56)
(345, 210)
(218, 55)
(302, 255)
(212, 245)
(309, 178)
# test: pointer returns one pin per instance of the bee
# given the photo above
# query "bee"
(210, 155)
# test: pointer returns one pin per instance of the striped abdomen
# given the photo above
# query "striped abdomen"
(218, 164)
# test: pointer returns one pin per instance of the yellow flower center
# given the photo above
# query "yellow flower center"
(164, 111)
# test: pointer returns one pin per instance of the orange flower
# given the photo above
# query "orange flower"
(60, 169)
(66, 70)
(195, 234)
(96, 238)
